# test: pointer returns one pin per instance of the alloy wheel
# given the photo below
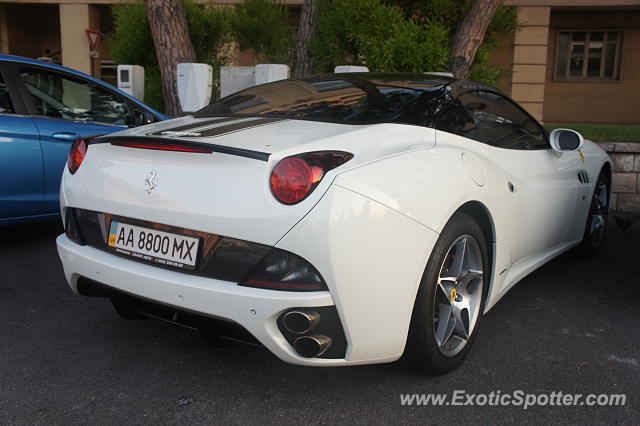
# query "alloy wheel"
(600, 213)
(458, 295)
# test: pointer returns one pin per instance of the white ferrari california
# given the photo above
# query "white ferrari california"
(336, 220)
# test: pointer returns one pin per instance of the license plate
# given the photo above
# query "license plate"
(161, 247)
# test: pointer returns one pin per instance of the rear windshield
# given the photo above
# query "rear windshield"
(343, 100)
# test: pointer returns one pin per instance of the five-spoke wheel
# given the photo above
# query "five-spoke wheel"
(458, 295)
(450, 300)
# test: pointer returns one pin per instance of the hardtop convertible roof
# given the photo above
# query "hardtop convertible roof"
(348, 98)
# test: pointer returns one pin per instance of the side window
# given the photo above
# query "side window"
(457, 120)
(56, 95)
(5, 99)
(494, 120)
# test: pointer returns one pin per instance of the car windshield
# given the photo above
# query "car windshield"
(333, 98)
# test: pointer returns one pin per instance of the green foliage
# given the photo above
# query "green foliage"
(483, 70)
(132, 43)
(504, 22)
(446, 11)
(452, 12)
(209, 30)
(402, 35)
(131, 39)
(384, 35)
(262, 25)
(370, 33)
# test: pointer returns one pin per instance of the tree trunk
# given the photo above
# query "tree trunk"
(470, 34)
(302, 64)
(170, 34)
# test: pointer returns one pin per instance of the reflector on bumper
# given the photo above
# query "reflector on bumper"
(282, 270)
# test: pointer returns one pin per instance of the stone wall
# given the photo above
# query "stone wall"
(625, 157)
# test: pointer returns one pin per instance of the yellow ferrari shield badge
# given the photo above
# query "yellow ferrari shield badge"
(454, 293)
(581, 155)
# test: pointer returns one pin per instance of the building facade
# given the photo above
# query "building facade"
(573, 61)
(55, 31)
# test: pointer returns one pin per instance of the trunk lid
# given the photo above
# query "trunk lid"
(226, 192)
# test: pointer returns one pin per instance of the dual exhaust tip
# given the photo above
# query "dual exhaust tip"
(302, 322)
(312, 346)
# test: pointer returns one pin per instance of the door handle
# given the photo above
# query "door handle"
(65, 136)
(511, 187)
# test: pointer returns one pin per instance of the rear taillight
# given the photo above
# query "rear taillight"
(165, 146)
(76, 155)
(282, 270)
(294, 178)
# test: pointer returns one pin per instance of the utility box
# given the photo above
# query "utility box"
(234, 79)
(131, 80)
(349, 68)
(195, 82)
(267, 73)
(443, 74)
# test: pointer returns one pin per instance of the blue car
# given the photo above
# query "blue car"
(43, 109)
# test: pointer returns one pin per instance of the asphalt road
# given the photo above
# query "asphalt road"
(572, 326)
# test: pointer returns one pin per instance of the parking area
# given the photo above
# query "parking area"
(572, 326)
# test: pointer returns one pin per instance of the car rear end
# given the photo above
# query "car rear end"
(233, 226)
(229, 240)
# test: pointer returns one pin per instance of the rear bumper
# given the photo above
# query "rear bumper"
(371, 257)
(256, 310)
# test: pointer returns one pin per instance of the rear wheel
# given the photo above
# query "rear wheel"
(598, 216)
(450, 301)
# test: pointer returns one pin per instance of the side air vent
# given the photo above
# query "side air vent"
(583, 177)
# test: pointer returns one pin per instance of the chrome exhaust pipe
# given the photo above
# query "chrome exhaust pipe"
(300, 322)
(312, 346)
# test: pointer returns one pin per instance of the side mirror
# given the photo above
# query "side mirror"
(564, 140)
(140, 118)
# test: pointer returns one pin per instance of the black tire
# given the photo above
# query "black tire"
(422, 351)
(593, 236)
